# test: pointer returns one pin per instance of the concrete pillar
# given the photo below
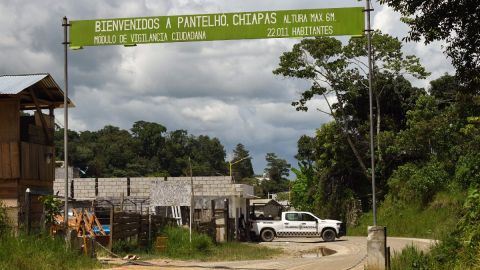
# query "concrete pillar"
(376, 247)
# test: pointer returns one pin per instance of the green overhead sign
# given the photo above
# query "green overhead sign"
(221, 26)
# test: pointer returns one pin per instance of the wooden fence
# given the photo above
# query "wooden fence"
(126, 225)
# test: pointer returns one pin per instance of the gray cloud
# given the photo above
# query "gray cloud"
(222, 89)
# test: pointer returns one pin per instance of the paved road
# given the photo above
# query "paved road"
(301, 254)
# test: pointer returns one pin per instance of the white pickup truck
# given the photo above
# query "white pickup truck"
(298, 224)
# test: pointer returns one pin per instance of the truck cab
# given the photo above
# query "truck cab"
(298, 224)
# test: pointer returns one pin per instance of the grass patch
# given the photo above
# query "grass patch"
(203, 249)
(411, 258)
(412, 221)
(40, 253)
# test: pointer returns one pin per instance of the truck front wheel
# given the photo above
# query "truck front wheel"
(267, 235)
(328, 235)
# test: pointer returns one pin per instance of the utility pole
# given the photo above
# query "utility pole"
(65, 25)
(192, 206)
(370, 95)
(377, 235)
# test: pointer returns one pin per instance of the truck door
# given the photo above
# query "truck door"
(291, 225)
(308, 225)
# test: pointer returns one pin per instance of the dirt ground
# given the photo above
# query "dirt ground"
(349, 253)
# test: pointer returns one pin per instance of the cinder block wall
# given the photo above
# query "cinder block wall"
(112, 187)
(84, 188)
(140, 187)
(59, 186)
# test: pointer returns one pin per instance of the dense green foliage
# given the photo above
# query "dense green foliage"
(455, 22)
(414, 220)
(426, 141)
(333, 162)
(146, 150)
(243, 163)
(458, 248)
(52, 207)
(277, 171)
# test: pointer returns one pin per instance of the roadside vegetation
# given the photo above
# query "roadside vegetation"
(426, 141)
(37, 252)
(202, 248)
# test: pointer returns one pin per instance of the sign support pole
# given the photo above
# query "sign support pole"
(192, 202)
(370, 94)
(65, 43)
(377, 235)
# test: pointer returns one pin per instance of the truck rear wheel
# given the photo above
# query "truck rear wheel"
(328, 235)
(267, 235)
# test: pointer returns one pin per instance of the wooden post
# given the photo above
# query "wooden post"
(121, 202)
(42, 119)
(212, 202)
(226, 217)
(27, 210)
(110, 240)
(213, 220)
(247, 217)
(139, 232)
(149, 227)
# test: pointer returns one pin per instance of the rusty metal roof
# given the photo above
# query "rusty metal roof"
(42, 84)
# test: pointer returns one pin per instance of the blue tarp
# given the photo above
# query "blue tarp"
(106, 228)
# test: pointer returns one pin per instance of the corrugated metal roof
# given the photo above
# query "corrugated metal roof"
(13, 84)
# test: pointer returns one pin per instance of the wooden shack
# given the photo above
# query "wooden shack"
(27, 156)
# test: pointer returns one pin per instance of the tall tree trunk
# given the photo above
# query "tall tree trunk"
(344, 130)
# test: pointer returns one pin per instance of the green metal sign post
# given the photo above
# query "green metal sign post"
(221, 26)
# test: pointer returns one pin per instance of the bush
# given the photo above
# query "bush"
(467, 171)
(4, 227)
(40, 253)
(412, 183)
(179, 246)
(457, 249)
(411, 258)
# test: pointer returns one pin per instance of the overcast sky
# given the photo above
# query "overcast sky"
(223, 89)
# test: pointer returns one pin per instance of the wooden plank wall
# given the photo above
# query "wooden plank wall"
(10, 160)
(8, 189)
(10, 120)
(34, 162)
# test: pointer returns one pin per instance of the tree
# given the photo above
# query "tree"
(147, 151)
(208, 156)
(277, 169)
(175, 154)
(341, 71)
(454, 21)
(306, 150)
(445, 89)
(244, 168)
(150, 138)
(304, 193)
